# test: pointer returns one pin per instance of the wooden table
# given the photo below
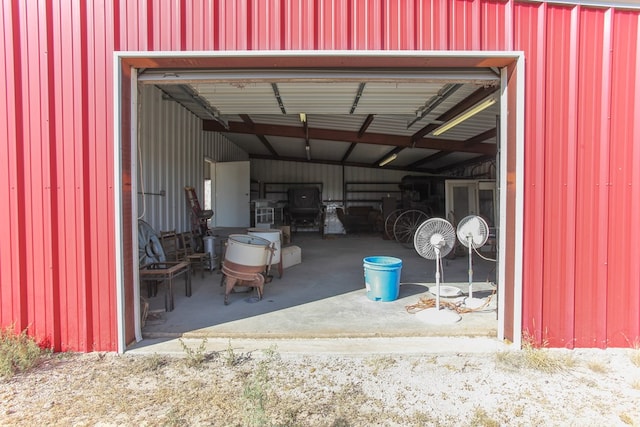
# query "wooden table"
(161, 271)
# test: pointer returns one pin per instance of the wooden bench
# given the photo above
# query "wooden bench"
(157, 272)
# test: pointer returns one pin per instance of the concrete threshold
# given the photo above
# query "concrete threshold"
(356, 347)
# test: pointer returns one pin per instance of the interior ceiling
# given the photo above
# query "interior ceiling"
(351, 119)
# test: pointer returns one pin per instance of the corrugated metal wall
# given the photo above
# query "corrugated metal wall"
(581, 270)
(172, 147)
(582, 136)
(332, 177)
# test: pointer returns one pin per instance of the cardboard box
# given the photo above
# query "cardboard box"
(291, 255)
(286, 234)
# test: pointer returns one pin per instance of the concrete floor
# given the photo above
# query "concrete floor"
(323, 297)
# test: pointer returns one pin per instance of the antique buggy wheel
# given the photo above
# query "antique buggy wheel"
(406, 224)
(389, 222)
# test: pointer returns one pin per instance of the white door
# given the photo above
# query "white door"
(232, 208)
(487, 201)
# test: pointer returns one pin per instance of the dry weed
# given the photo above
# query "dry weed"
(311, 391)
(627, 419)
(18, 352)
(597, 367)
(536, 357)
(482, 418)
(381, 363)
(635, 356)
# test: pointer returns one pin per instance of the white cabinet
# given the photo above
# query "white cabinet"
(264, 217)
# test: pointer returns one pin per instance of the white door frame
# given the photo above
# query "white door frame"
(517, 60)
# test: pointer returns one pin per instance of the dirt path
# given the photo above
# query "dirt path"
(229, 388)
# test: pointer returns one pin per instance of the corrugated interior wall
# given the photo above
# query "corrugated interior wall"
(582, 143)
(172, 149)
(332, 177)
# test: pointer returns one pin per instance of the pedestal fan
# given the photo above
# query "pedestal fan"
(434, 239)
(473, 233)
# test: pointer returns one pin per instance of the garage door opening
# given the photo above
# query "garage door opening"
(359, 154)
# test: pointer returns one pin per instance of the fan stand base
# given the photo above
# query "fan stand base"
(474, 303)
(434, 316)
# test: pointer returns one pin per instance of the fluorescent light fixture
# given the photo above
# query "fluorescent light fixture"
(389, 159)
(303, 117)
(464, 116)
(308, 150)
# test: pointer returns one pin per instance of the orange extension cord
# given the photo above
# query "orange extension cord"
(425, 303)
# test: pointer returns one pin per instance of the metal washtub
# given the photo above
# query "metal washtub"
(275, 237)
(245, 261)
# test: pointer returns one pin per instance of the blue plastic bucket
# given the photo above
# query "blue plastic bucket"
(382, 277)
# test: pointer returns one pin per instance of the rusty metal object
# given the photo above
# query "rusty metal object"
(242, 275)
(245, 263)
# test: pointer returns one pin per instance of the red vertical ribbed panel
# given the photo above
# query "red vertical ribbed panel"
(400, 31)
(36, 149)
(334, 24)
(582, 143)
(98, 174)
(530, 19)
(581, 274)
(201, 33)
(623, 278)
(12, 250)
(559, 238)
(367, 29)
(67, 218)
(432, 25)
(592, 230)
(264, 24)
(464, 30)
(496, 23)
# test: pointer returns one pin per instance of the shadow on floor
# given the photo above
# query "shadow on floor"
(324, 296)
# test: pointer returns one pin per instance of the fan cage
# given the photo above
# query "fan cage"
(422, 240)
(474, 226)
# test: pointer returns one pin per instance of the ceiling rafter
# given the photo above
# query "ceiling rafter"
(445, 92)
(491, 133)
(276, 92)
(350, 136)
(468, 102)
(336, 163)
(357, 98)
(428, 159)
(365, 125)
(424, 131)
(348, 152)
(262, 138)
(465, 163)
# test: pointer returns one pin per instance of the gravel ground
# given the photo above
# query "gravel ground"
(227, 388)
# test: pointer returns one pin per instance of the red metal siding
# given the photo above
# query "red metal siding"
(558, 239)
(580, 265)
(531, 19)
(623, 275)
(582, 143)
(12, 295)
(592, 168)
(592, 234)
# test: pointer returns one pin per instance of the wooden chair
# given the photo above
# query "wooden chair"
(195, 259)
(171, 245)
